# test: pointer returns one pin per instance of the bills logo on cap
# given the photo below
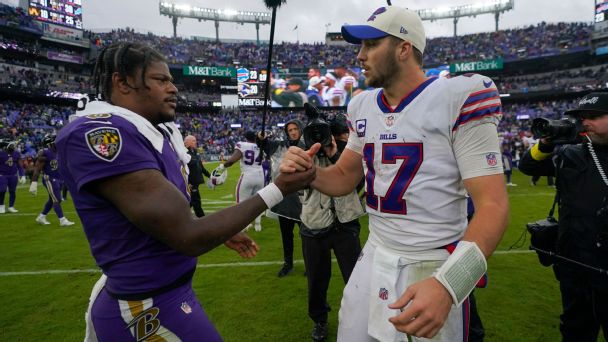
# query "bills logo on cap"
(104, 142)
(383, 293)
(361, 126)
(377, 12)
(491, 159)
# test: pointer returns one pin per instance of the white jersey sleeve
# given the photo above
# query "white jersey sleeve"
(475, 136)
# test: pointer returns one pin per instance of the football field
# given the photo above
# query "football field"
(47, 272)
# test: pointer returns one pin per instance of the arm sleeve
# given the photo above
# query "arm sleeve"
(477, 150)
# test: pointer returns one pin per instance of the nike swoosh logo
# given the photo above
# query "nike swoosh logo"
(487, 84)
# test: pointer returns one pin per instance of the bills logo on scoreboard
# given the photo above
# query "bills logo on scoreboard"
(242, 75)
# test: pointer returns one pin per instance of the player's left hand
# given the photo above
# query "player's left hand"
(425, 307)
(22, 180)
(243, 244)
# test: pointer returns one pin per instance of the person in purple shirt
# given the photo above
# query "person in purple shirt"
(9, 168)
(46, 163)
(125, 165)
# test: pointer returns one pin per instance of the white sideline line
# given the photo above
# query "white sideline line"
(228, 264)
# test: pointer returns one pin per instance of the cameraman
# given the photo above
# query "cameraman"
(328, 223)
(583, 221)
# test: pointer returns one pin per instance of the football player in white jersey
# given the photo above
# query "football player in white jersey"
(252, 174)
(422, 144)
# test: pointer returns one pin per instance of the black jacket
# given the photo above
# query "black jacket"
(583, 234)
(197, 170)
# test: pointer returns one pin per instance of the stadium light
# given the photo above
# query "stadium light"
(470, 10)
(175, 11)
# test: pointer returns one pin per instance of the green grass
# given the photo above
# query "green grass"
(248, 302)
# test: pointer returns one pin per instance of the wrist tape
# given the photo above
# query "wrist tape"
(271, 195)
(462, 270)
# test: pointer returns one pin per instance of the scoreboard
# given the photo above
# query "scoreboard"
(251, 83)
(62, 12)
(601, 10)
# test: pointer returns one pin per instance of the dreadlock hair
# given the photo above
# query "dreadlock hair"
(126, 59)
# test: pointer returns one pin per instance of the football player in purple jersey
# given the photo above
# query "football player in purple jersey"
(9, 168)
(125, 165)
(46, 163)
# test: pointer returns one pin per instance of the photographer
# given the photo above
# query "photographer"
(582, 189)
(327, 223)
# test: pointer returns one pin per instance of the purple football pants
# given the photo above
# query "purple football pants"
(175, 315)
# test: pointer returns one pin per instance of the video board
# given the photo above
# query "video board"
(250, 84)
(62, 12)
(601, 10)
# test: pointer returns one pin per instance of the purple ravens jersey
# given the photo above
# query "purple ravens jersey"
(51, 166)
(9, 163)
(100, 146)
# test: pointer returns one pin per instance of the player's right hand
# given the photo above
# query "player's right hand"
(296, 159)
(34, 188)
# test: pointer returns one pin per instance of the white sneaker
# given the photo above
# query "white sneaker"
(258, 227)
(2, 211)
(511, 184)
(65, 222)
(12, 210)
(41, 219)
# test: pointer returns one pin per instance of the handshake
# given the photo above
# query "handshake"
(297, 169)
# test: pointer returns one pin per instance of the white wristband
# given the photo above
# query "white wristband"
(462, 270)
(271, 194)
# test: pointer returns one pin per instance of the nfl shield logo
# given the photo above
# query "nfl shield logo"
(186, 308)
(491, 159)
(104, 142)
(383, 293)
(390, 120)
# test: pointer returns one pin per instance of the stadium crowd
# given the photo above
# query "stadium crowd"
(27, 123)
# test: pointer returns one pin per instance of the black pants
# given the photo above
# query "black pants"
(585, 309)
(476, 329)
(287, 225)
(317, 259)
(195, 201)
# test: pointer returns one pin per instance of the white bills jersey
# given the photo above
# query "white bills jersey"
(251, 160)
(416, 156)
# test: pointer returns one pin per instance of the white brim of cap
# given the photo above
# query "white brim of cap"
(354, 34)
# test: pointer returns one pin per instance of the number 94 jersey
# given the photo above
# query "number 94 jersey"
(416, 156)
(251, 160)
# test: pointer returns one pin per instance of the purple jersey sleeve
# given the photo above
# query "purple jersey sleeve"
(99, 150)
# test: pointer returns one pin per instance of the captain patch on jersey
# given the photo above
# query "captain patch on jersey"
(104, 142)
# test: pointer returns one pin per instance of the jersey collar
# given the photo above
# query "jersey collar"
(386, 108)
